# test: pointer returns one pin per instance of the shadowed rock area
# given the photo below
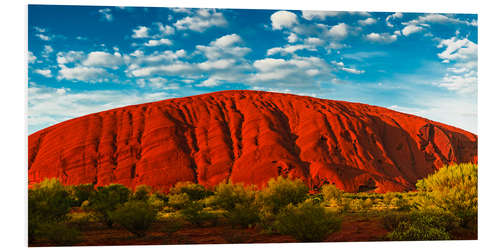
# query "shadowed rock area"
(249, 137)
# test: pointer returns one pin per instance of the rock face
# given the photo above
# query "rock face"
(249, 137)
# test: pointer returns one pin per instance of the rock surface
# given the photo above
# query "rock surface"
(249, 137)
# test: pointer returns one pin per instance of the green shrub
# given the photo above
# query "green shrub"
(194, 213)
(81, 193)
(243, 215)
(141, 193)
(194, 191)
(59, 233)
(331, 192)
(408, 231)
(48, 202)
(136, 216)
(454, 189)
(421, 225)
(106, 199)
(283, 191)
(306, 222)
(178, 201)
(171, 224)
(227, 196)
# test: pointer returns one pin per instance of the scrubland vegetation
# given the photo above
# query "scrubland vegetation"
(443, 207)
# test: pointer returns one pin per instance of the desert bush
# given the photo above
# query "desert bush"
(306, 221)
(331, 192)
(283, 191)
(59, 233)
(135, 215)
(81, 193)
(48, 202)
(420, 225)
(453, 188)
(171, 224)
(141, 193)
(106, 199)
(194, 191)
(227, 196)
(194, 213)
(243, 215)
(156, 201)
(178, 201)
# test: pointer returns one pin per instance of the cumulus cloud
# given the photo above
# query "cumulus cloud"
(397, 15)
(352, 70)
(381, 37)
(106, 14)
(44, 72)
(31, 57)
(103, 59)
(424, 20)
(159, 42)
(202, 20)
(224, 46)
(48, 106)
(292, 38)
(319, 15)
(69, 57)
(83, 73)
(338, 31)
(43, 37)
(165, 29)
(410, 29)
(368, 21)
(283, 19)
(288, 49)
(461, 54)
(140, 32)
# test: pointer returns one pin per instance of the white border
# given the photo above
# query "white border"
(14, 131)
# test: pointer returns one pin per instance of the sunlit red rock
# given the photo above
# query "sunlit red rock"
(249, 137)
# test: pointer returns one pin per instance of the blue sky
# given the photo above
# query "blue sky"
(84, 59)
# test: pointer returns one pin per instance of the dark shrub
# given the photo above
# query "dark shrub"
(282, 191)
(307, 222)
(136, 216)
(106, 199)
(59, 233)
(227, 196)
(81, 193)
(48, 202)
(171, 224)
(141, 193)
(421, 225)
(194, 191)
(194, 213)
(243, 215)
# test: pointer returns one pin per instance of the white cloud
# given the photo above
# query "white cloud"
(165, 29)
(292, 38)
(219, 64)
(288, 49)
(439, 18)
(69, 57)
(83, 73)
(48, 106)
(106, 14)
(47, 50)
(43, 37)
(341, 66)
(44, 72)
(320, 15)
(210, 82)
(283, 19)
(202, 20)
(457, 49)
(393, 16)
(159, 42)
(410, 29)
(381, 37)
(140, 32)
(103, 59)
(338, 31)
(368, 21)
(461, 54)
(227, 40)
(31, 57)
(314, 41)
(162, 69)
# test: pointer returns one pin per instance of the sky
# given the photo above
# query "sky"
(84, 59)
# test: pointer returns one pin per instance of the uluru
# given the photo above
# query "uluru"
(248, 137)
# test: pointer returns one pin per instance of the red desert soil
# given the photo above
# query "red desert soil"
(249, 137)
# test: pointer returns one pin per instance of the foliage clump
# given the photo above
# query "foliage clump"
(135, 215)
(107, 199)
(283, 191)
(307, 221)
